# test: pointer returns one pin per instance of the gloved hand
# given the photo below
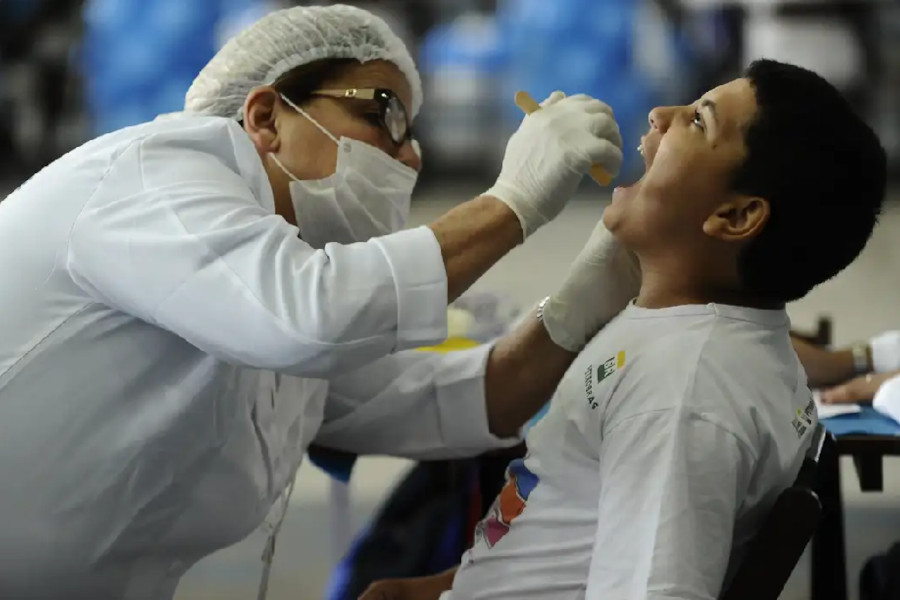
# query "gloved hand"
(603, 279)
(549, 154)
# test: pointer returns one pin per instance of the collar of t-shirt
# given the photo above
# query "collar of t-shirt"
(766, 318)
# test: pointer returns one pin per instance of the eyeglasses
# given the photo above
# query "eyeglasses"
(391, 112)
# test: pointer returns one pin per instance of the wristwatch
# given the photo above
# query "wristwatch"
(860, 354)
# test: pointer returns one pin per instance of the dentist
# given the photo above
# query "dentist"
(189, 303)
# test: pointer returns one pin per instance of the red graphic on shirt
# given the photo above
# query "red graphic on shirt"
(520, 482)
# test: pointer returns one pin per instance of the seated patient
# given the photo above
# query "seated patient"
(677, 427)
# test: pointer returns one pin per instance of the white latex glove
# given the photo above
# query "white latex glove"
(601, 282)
(549, 154)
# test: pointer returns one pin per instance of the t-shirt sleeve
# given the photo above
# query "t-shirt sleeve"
(671, 483)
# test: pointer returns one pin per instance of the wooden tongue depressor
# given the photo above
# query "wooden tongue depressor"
(528, 105)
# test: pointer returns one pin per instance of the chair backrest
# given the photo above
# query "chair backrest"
(780, 542)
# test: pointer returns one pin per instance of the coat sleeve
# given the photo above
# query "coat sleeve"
(177, 238)
(422, 405)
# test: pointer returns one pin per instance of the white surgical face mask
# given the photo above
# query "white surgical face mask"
(367, 196)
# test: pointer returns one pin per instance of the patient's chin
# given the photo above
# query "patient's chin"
(626, 192)
(614, 213)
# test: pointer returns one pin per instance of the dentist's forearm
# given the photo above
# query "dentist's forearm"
(523, 371)
(412, 588)
(473, 237)
(443, 581)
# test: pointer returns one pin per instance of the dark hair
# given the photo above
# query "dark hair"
(823, 172)
(299, 83)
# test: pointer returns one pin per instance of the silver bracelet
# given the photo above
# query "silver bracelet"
(540, 309)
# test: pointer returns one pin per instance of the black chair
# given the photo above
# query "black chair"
(784, 534)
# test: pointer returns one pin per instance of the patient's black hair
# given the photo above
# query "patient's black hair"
(822, 170)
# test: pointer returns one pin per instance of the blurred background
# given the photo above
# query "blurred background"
(74, 69)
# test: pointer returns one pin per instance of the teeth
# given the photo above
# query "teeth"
(640, 149)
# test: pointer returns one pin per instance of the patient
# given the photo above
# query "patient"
(677, 427)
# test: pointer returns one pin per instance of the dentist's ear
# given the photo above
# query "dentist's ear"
(260, 119)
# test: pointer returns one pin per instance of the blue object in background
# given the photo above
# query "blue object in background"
(866, 422)
(140, 56)
(17, 11)
(338, 465)
(578, 46)
(463, 63)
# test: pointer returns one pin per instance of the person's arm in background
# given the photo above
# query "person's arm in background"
(836, 369)
(860, 389)
(823, 366)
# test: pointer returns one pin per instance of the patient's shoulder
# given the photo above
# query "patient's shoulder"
(660, 374)
(717, 351)
(720, 372)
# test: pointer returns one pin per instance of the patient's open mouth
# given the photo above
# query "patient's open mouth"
(624, 183)
(647, 149)
(626, 190)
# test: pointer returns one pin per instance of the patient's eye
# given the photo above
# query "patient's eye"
(698, 120)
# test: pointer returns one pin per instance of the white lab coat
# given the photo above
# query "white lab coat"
(169, 348)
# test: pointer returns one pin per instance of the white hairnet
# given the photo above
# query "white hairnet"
(286, 39)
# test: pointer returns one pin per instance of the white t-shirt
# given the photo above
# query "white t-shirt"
(666, 444)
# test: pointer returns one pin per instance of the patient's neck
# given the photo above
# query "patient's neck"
(663, 286)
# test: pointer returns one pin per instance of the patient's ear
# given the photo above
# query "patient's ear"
(741, 218)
